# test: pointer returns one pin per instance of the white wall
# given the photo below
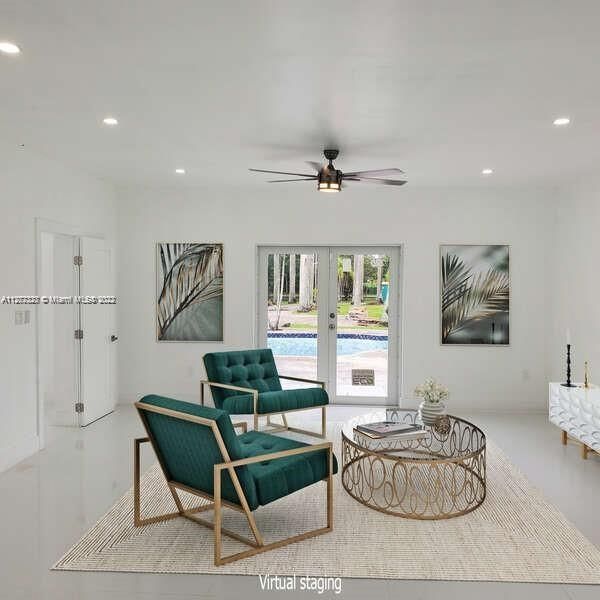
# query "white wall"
(480, 378)
(33, 187)
(575, 291)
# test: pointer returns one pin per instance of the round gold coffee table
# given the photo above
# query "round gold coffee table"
(436, 477)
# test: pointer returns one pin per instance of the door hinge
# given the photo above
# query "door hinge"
(78, 260)
(79, 334)
(79, 407)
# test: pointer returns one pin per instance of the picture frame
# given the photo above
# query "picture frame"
(189, 291)
(474, 294)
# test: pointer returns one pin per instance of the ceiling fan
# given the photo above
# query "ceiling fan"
(329, 179)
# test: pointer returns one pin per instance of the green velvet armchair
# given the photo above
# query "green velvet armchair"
(200, 453)
(246, 382)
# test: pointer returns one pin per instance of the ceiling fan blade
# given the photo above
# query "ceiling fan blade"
(299, 179)
(283, 173)
(376, 180)
(315, 165)
(374, 173)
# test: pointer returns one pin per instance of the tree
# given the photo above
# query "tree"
(276, 277)
(345, 279)
(307, 269)
(278, 298)
(357, 290)
(292, 280)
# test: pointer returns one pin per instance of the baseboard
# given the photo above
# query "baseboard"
(15, 453)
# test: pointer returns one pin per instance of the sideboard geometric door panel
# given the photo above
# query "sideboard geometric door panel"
(576, 411)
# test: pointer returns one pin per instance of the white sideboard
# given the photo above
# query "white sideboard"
(576, 411)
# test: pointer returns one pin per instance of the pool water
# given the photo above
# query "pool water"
(306, 344)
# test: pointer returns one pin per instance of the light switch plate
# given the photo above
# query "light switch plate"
(22, 317)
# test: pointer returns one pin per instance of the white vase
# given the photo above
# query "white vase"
(430, 412)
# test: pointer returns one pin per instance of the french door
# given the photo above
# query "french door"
(332, 314)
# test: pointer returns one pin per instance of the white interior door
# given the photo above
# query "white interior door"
(319, 328)
(59, 362)
(97, 326)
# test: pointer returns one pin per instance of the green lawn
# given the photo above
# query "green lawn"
(374, 311)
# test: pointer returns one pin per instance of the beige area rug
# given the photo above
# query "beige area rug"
(516, 535)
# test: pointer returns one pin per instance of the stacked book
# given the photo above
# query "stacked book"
(392, 429)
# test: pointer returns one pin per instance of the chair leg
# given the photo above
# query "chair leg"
(217, 516)
(275, 428)
(330, 489)
(323, 433)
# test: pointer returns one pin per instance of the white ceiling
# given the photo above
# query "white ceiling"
(441, 88)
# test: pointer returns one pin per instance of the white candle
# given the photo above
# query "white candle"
(568, 336)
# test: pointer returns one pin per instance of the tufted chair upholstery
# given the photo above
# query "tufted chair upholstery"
(254, 369)
(274, 479)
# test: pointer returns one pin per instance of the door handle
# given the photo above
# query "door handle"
(332, 315)
(331, 325)
(114, 338)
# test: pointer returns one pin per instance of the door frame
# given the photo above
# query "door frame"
(396, 321)
(43, 225)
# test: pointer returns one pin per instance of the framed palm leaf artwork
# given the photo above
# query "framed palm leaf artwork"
(475, 294)
(189, 292)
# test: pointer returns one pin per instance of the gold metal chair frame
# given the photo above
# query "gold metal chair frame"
(258, 545)
(274, 427)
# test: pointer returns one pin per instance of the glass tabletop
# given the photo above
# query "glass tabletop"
(453, 438)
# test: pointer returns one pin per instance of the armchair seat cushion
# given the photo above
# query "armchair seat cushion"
(276, 401)
(275, 479)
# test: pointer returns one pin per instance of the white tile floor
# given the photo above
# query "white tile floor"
(48, 501)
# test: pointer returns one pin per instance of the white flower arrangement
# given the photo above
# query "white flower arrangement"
(431, 391)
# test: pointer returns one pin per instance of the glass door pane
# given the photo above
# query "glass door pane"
(361, 358)
(292, 312)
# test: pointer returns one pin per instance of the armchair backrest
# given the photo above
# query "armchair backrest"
(189, 450)
(254, 369)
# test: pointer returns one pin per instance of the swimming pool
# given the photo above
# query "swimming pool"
(305, 344)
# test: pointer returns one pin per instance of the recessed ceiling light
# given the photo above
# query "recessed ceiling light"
(487, 172)
(180, 171)
(9, 48)
(562, 121)
(110, 121)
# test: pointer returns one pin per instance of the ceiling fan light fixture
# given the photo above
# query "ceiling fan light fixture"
(330, 180)
(329, 188)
